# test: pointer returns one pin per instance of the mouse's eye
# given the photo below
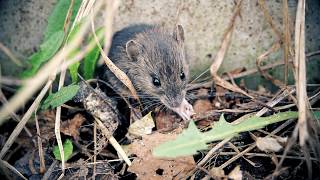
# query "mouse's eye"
(156, 82)
(182, 76)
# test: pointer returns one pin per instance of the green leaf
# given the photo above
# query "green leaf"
(57, 17)
(90, 61)
(91, 58)
(67, 148)
(53, 36)
(47, 50)
(192, 140)
(73, 69)
(63, 95)
(50, 47)
(187, 143)
(316, 115)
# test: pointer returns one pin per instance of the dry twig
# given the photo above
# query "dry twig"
(5, 164)
(40, 149)
(286, 39)
(221, 53)
(300, 72)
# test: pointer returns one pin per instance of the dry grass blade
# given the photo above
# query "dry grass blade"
(58, 137)
(5, 164)
(14, 116)
(36, 103)
(213, 150)
(221, 53)
(250, 71)
(267, 155)
(260, 113)
(113, 68)
(113, 141)
(252, 146)
(262, 57)
(221, 82)
(226, 41)
(33, 84)
(61, 82)
(94, 151)
(300, 72)
(50, 170)
(40, 149)
(68, 17)
(62, 78)
(284, 94)
(286, 39)
(268, 17)
(24, 120)
(111, 7)
(10, 81)
(13, 58)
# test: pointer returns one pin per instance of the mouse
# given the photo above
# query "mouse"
(155, 60)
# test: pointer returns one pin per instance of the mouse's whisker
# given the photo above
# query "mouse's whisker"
(150, 106)
(163, 108)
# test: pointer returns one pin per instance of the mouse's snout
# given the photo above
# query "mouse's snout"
(179, 105)
(173, 101)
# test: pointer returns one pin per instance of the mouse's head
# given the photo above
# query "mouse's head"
(160, 68)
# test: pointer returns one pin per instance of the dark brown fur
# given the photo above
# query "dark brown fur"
(147, 53)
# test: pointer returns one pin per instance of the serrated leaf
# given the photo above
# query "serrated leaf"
(57, 17)
(63, 95)
(221, 130)
(67, 148)
(192, 140)
(91, 58)
(224, 129)
(188, 143)
(47, 50)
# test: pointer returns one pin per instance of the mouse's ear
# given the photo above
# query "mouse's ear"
(178, 34)
(133, 49)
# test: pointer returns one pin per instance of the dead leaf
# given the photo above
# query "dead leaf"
(165, 121)
(268, 144)
(143, 126)
(71, 127)
(202, 106)
(282, 140)
(145, 166)
(48, 115)
(218, 173)
(235, 174)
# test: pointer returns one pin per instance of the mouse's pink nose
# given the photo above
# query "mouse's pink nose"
(185, 110)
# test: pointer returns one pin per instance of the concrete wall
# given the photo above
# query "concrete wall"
(23, 21)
